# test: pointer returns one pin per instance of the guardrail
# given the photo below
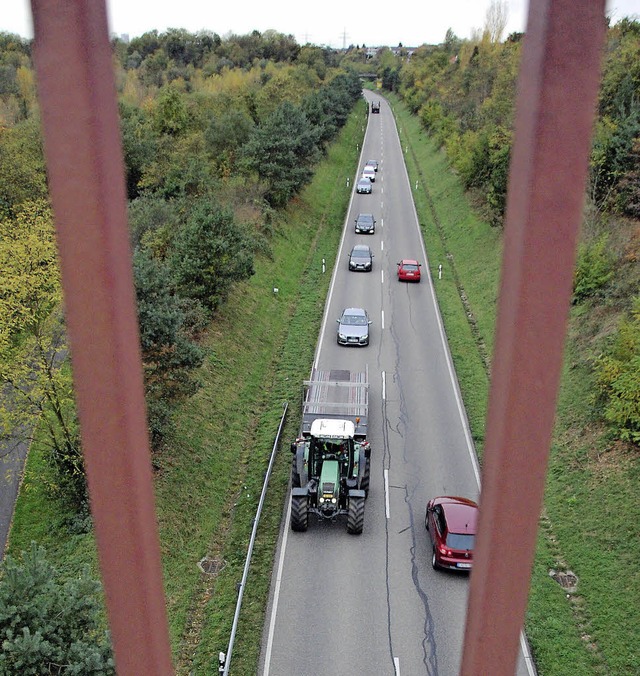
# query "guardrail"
(224, 659)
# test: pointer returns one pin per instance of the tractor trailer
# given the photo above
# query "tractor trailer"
(331, 456)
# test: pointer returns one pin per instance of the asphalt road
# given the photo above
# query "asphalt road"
(372, 604)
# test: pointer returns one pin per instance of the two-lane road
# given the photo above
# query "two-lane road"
(372, 604)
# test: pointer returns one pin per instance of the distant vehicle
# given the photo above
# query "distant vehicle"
(366, 223)
(360, 258)
(364, 186)
(353, 327)
(375, 106)
(370, 173)
(408, 270)
(372, 163)
(451, 523)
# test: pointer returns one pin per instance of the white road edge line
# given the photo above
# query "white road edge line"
(396, 665)
(386, 494)
(276, 595)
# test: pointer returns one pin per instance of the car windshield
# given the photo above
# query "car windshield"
(460, 541)
(409, 266)
(354, 320)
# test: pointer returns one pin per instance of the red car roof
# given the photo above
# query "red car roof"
(461, 514)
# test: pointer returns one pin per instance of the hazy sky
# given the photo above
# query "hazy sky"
(329, 22)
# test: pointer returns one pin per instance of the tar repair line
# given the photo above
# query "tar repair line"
(386, 493)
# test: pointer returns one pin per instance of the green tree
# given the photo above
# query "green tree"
(47, 625)
(22, 169)
(169, 357)
(282, 150)
(210, 252)
(170, 115)
(38, 385)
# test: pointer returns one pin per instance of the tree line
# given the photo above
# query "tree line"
(464, 93)
(218, 134)
(225, 133)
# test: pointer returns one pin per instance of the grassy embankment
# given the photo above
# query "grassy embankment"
(259, 350)
(591, 502)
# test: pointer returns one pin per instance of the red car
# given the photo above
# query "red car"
(451, 522)
(408, 270)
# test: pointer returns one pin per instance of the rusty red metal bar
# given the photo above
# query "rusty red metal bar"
(86, 179)
(558, 87)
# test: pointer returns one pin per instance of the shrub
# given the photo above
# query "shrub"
(618, 379)
(594, 268)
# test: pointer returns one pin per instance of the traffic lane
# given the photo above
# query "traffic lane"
(333, 600)
(325, 560)
(427, 457)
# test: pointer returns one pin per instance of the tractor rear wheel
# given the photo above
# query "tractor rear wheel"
(299, 513)
(355, 517)
(364, 484)
(295, 475)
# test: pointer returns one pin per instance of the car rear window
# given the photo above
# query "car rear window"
(460, 540)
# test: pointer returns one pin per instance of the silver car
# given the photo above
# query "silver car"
(353, 327)
(360, 258)
(364, 186)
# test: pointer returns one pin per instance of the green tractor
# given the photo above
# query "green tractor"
(330, 474)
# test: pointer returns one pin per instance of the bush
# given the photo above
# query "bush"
(618, 379)
(48, 626)
(593, 269)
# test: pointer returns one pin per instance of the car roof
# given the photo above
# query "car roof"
(409, 261)
(365, 216)
(363, 179)
(361, 247)
(331, 428)
(461, 514)
(354, 311)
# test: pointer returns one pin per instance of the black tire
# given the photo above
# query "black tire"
(434, 563)
(295, 475)
(299, 513)
(364, 484)
(355, 518)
